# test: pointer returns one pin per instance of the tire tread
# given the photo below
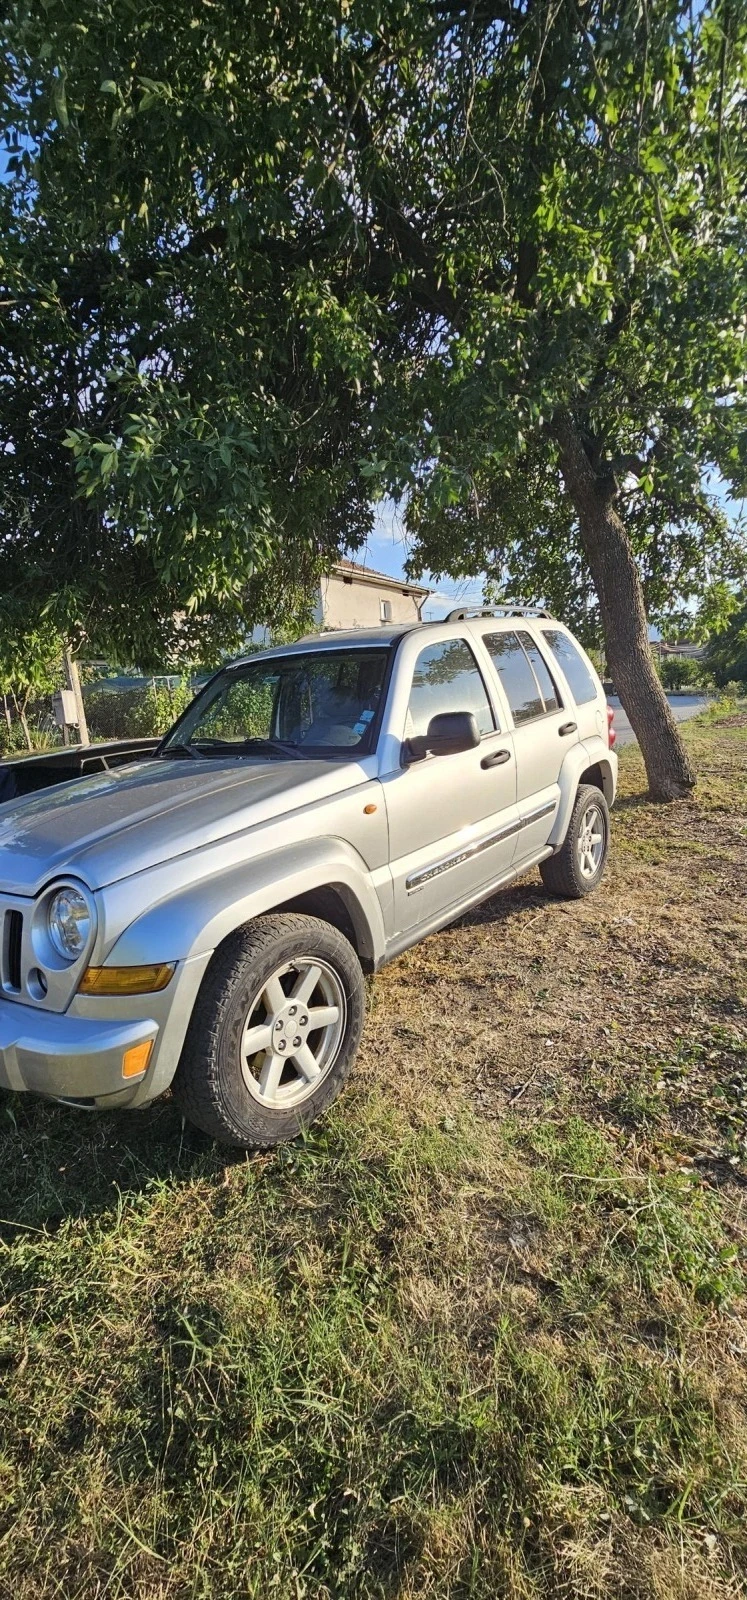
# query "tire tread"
(560, 873)
(196, 1086)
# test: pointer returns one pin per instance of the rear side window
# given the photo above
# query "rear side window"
(447, 678)
(548, 688)
(529, 690)
(570, 659)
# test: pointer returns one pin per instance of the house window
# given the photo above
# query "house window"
(385, 610)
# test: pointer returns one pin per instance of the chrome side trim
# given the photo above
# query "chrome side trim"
(421, 930)
(541, 811)
(418, 879)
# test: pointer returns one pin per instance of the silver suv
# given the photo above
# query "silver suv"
(204, 918)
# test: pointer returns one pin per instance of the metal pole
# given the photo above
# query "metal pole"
(73, 682)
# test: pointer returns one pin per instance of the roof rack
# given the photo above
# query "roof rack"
(503, 608)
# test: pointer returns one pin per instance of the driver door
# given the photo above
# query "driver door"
(451, 818)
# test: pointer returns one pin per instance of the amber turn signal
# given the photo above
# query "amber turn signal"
(126, 980)
(135, 1060)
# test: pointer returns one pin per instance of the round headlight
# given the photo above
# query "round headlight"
(69, 923)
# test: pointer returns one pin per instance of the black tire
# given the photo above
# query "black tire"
(562, 873)
(209, 1085)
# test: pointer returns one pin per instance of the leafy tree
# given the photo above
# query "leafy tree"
(726, 655)
(30, 669)
(564, 187)
(262, 263)
(176, 409)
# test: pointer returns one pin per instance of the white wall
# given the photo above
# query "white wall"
(358, 605)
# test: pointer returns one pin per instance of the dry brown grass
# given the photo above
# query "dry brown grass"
(628, 1006)
(483, 1336)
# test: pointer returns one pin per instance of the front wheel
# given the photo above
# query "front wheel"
(575, 870)
(274, 1032)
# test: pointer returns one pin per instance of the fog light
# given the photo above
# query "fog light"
(135, 1060)
(127, 980)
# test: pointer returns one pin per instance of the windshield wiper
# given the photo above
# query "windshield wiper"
(181, 750)
(202, 748)
(272, 747)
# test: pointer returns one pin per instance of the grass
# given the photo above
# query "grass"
(482, 1334)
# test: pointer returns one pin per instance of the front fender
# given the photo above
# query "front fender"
(592, 752)
(194, 921)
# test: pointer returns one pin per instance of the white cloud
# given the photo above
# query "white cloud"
(387, 549)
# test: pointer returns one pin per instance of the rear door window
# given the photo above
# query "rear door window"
(527, 682)
(573, 665)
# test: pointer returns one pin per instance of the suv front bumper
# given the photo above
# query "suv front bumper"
(72, 1058)
(77, 1055)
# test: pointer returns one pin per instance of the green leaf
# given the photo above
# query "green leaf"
(59, 98)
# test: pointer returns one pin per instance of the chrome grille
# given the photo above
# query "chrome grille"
(10, 952)
(29, 973)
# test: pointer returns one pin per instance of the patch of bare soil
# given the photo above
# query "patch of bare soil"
(628, 1006)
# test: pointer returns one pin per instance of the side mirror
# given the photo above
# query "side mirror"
(448, 734)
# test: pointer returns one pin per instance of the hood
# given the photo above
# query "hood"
(113, 824)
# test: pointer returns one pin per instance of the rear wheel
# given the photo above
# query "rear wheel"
(578, 865)
(274, 1032)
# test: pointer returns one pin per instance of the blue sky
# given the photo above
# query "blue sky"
(386, 551)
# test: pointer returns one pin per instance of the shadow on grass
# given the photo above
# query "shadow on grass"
(633, 802)
(58, 1162)
(507, 904)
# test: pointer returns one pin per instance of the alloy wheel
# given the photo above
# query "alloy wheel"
(590, 841)
(292, 1032)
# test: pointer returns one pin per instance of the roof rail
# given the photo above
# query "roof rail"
(502, 608)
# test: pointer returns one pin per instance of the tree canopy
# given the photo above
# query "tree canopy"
(727, 650)
(260, 264)
(176, 408)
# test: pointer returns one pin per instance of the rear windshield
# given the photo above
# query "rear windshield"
(572, 663)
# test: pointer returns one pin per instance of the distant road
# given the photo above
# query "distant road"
(684, 706)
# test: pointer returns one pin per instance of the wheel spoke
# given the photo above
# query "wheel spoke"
(274, 995)
(306, 1062)
(322, 1017)
(272, 1071)
(301, 1000)
(306, 984)
(257, 1038)
(595, 838)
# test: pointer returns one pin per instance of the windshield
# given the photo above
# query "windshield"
(305, 704)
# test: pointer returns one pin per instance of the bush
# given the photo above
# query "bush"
(727, 650)
(705, 680)
(43, 731)
(140, 713)
(679, 672)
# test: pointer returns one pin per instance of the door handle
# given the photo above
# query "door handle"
(497, 759)
(568, 727)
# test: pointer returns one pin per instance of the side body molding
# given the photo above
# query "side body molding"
(592, 752)
(194, 920)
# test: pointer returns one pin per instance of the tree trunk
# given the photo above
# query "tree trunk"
(620, 593)
(21, 711)
(73, 682)
(8, 722)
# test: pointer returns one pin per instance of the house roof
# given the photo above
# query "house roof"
(356, 569)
